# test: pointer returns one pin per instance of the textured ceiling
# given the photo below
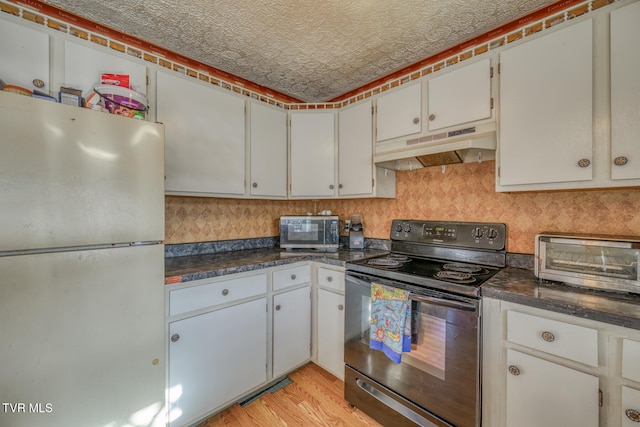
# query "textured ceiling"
(312, 50)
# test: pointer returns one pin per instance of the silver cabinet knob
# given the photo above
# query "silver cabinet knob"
(329, 279)
(331, 187)
(175, 337)
(340, 307)
(293, 277)
(633, 415)
(416, 120)
(548, 336)
(339, 185)
(620, 161)
(225, 292)
(514, 370)
(583, 163)
(278, 307)
(254, 185)
(432, 117)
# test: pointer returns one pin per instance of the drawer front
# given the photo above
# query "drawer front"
(630, 407)
(562, 339)
(331, 279)
(211, 294)
(293, 276)
(631, 360)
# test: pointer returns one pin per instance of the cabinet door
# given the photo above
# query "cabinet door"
(460, 96)
(312, 154)
(546, 129)
(204, 137)
(331, 332)
(541, 393)
(630, 407)
(268, 151)
(625, 92)
(399, 113)
(83, 66)
(214, 358)
(25, 55)
(355, 150)
(291, 329)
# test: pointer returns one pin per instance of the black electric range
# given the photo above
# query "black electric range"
(455, 257)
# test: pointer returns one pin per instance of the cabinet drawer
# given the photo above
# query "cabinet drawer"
(630, 407)
(283, 279)
(554, 337)
(210, 294)
(332, 279)
(630, 358)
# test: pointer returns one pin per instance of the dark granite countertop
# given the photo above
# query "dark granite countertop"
(521, 286)
(180, 269)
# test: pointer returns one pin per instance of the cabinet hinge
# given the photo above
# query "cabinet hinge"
(373, 183)
(600, 398)
(499, 68)
(491, 104)
(491, 72)
(373, 109)
(498, 171)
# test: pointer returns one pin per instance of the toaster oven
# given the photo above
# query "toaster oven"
(592, 261)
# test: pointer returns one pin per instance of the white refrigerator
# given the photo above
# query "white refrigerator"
(81, 267)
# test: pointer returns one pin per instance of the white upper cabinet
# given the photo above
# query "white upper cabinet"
(205, 137)
(268, 127)
(313, 154)
(25, 55)
(83, 66)
(399, 113)
(546, 113)
(625, 93)
(460, 96)
(355, 150)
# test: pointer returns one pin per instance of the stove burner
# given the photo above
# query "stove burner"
(455, 276)
(463, 268)
(385, 262)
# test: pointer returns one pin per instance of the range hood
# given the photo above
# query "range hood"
(468, 144)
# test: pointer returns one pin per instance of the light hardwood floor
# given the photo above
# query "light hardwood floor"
(314, 398)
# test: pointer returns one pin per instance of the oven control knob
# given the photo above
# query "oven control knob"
(477, 232)
(407, 228)
(492, 233)
(398, 227)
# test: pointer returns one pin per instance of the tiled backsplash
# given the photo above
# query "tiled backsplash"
(464, 192)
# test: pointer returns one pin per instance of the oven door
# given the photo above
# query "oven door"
(440, 374)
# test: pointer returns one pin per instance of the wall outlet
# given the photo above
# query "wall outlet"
(347, 224)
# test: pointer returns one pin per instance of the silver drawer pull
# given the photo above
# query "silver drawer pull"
(583, 163)
(416, 120)
(514, 370)
(293, 277)
(175, 337)
(340, 307)
(225, 292)
(432, 117)
(633, 415)
(329, 279)
(278, 307)
(548, 336)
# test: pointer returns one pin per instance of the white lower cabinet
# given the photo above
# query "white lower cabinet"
(331, 332)
(215, 357)
(542, 368)
(542, 393)
(291, 329)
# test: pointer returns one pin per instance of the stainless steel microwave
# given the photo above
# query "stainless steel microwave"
(319, 232)
(599, 262)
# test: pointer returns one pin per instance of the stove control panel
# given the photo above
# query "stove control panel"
(464, 234)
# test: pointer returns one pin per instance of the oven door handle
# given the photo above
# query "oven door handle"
(444, 302)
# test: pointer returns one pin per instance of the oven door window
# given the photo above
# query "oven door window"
(440, 373)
